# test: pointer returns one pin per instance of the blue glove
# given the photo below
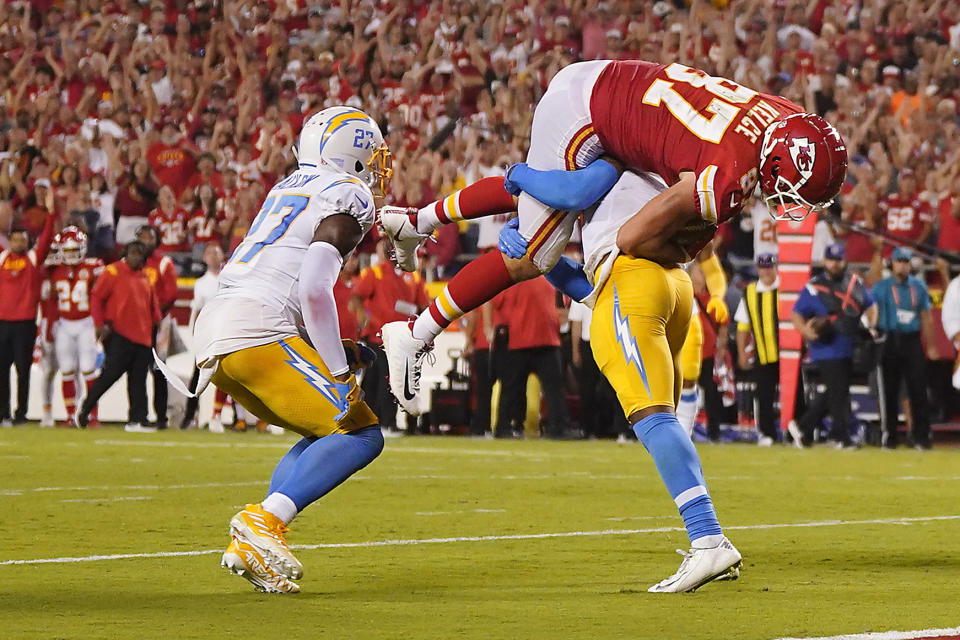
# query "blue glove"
(509, 186)
(568, 277)
(511, 243)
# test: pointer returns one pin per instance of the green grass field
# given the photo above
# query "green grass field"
(445, 537)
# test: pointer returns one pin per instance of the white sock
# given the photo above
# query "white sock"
(687, 409)
(280, 506)
(425, 327)
(427, 220)
(707, 542)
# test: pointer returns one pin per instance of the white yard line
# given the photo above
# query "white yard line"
(120, 499)
(444, 513)
(891, 635)
(528, 536)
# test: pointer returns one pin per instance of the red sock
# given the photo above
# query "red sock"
(476, 283)
(69, 394)
(219, 399)
(485, 197)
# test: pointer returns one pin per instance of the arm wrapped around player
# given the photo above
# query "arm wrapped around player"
(563, 190)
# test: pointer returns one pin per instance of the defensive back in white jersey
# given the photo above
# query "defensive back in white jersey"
(257, 301)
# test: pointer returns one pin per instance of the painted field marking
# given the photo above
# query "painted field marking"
(929, 634)
(444, 513)
(288, 443)
(119, 499)
(526, 536)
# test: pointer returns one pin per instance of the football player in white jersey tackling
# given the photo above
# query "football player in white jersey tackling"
(270, 336)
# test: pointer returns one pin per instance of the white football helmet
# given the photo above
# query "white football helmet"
(73, 245)
(348, 140)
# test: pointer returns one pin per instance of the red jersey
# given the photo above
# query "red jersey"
(949, 237)
(173, 166)
(21, 276)
(173, 229)
(388, 296)
(207, 228)
(342, 293)
(667, 119)
(529, 309)
(905, 218)
(71, 286)
(162, 274)
(125, 298)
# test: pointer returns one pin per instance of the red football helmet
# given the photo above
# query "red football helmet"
(73, 245)
(803, 162)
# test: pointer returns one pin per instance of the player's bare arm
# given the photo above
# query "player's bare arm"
(651, 232)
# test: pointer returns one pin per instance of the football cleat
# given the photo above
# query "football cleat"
(265, 532)
(245, 561)
(47, 419)
(399, 224)
(215, 426)
(405, 355)
(701, 566)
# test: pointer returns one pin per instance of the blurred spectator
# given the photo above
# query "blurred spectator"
(904, 314)
(162, 274)
(758, 327)
(136, 198)
(125, 312)
(950, 316)
(908, 218)
(386, 294)
(21, 274)
(204, 289)
(477, 327)
(528, 312)
(828, 315)
(600, 413)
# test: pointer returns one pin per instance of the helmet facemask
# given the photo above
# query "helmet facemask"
(380, 166)
(786, 203)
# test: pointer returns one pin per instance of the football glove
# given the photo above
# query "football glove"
(718, 310)
(359, 355)
(511, 243)
(348, 394)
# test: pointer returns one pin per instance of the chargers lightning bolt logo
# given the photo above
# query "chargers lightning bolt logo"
(311, 374)
(628, 344)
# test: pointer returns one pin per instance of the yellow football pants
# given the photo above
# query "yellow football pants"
(691, 355)
(638, 327)
(287, 384)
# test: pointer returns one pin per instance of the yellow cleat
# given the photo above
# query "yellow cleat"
(245, 561)
(265, 532)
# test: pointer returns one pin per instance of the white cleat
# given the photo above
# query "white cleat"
(701, 566)
(764, 441)
(275, 430)
(47, 419)
(243, 559)
(398, 224)
(794, 430)
(215, 426)
(405, 355)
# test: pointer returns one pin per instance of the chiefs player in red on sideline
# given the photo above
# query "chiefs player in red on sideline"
(696, 147)
(74, 336)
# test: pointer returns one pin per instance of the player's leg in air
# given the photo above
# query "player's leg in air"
(561, 139)
(640, 320)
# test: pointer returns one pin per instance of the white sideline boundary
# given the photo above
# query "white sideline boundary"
(889, 635)
(527, 536)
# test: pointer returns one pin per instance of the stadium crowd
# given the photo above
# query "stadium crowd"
(180, 114)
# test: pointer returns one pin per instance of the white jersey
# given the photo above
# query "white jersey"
(600, 228)
(257, 301)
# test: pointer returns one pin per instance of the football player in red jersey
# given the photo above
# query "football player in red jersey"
(74, 336)
(695, 146)
(906, 215)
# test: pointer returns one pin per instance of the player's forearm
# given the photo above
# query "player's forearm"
(319, 272)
